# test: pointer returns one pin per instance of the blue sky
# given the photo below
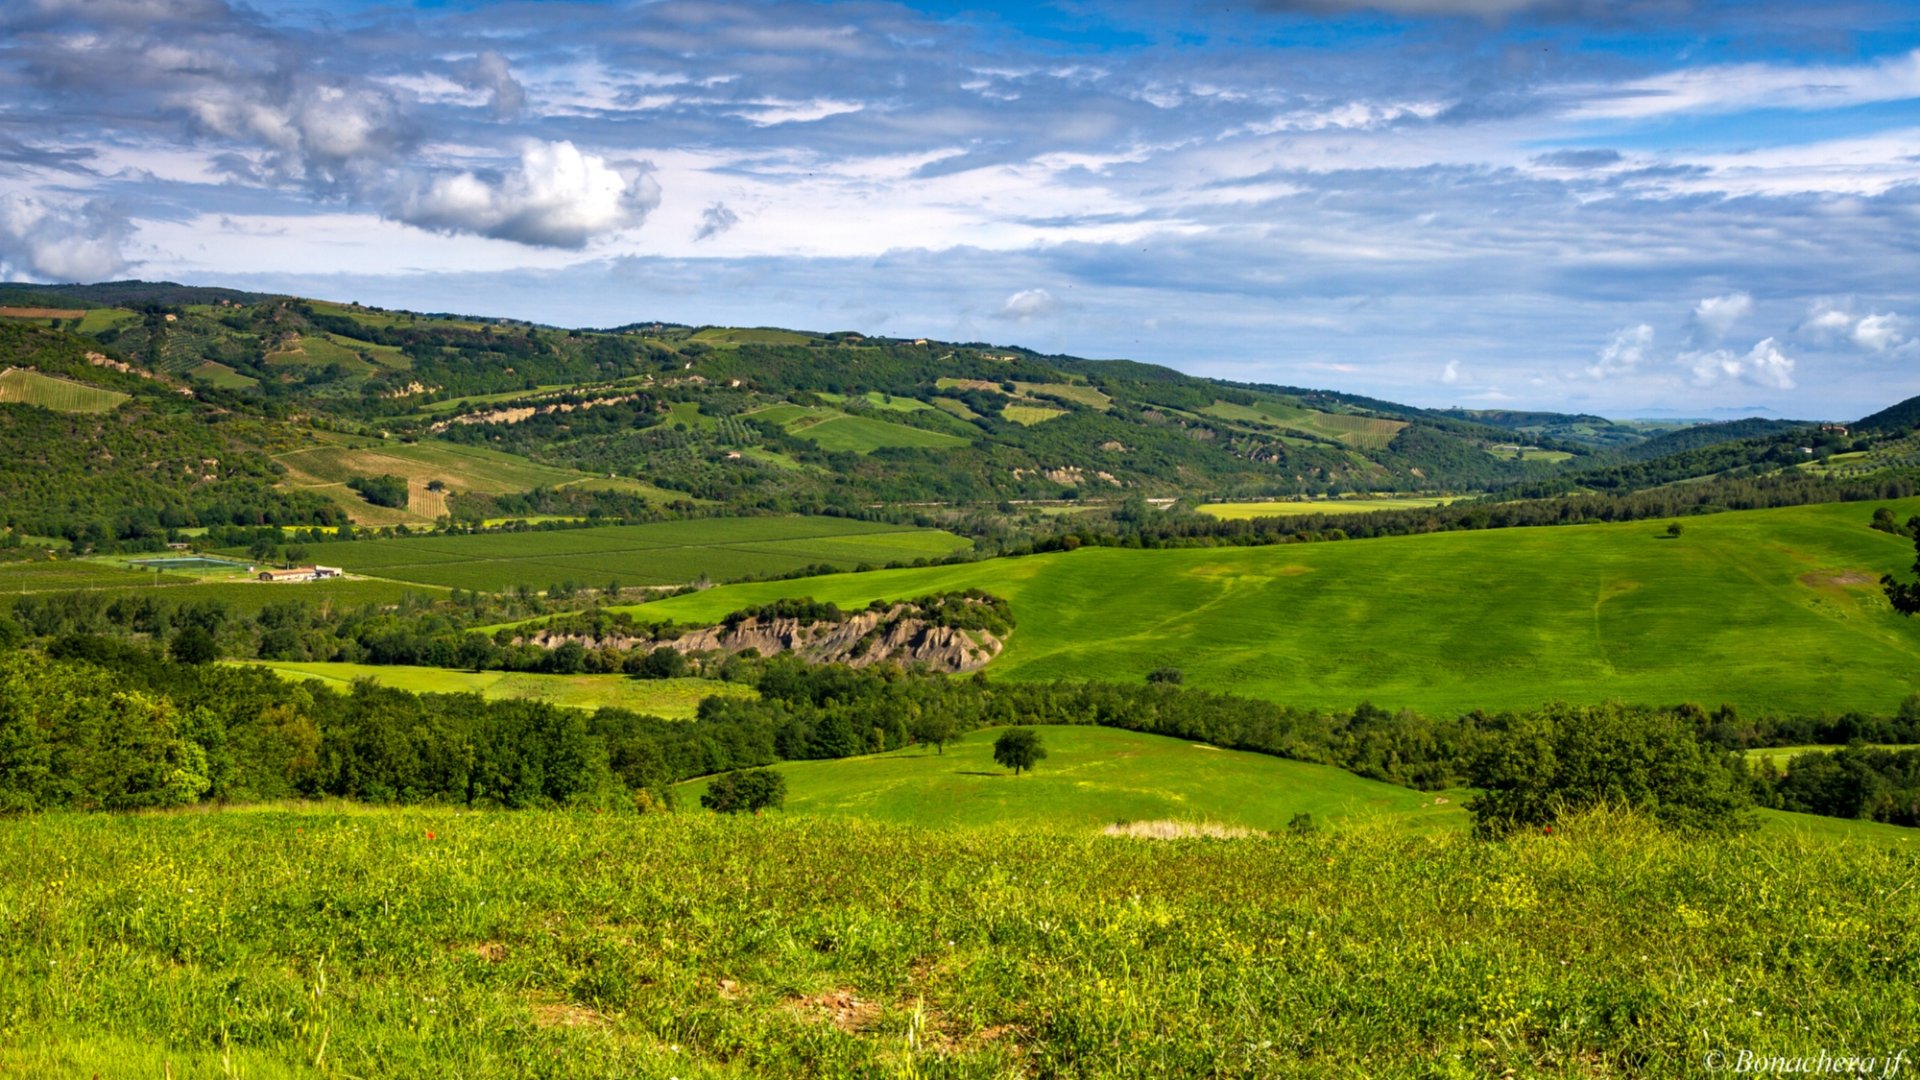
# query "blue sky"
(1632, 207)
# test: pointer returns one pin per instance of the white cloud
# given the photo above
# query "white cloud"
(1763, 365)
(1624, 354)
(1029, 304)
(558, 196)
(61, 241)
(1880, 332)
(1736, 87)
(1717, 314)
(1450, 374)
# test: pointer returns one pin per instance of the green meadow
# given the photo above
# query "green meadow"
(1739, 609)
(1095, 776)
(672, 699)
(331, 941)
(663, 553)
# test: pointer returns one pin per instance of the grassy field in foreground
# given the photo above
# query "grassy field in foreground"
(1241, 511)
(285, 942)
(1767, 610)
(673, 699)
(1093, 777)
(664, 553)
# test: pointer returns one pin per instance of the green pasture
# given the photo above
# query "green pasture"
(23, 386)
(1240, 511)
(1096, 776)
(338, 941)
(673, 699)
(1767, 610)
(662, 553)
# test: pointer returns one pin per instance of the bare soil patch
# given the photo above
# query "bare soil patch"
(1178, 830)
(843, 1008)
(1839, 579)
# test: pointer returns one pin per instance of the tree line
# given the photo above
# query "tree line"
(95, 722)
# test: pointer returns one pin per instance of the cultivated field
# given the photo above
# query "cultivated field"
(334, 941)
(1029, 415)
(24, 387)
(836, 431)
(1739, 609)
(659, 554)
(674, 699)
(1363, 432)
(242, 597)
(326, 469)
(1239, 511)
(1096, 776)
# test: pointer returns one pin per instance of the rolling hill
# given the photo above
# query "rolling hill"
(1736, 610)
(1093, 777)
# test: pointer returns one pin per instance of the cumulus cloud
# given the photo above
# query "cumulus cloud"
(1716, 315)
(490, 72)
(558, 196)
(715, 220)
(1029, 304)
(1625, 353)
(61, 242)
(1763, 365)
(1831, 323)
(1450, 374)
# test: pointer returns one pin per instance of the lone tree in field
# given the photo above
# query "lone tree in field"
(1018, 749)
(1905, 597)
(936, 729)
(752, 790)
(1675, 529)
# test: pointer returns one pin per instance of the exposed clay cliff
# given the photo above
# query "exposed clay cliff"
(902, 634)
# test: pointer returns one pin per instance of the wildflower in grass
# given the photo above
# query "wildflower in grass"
(429, 834)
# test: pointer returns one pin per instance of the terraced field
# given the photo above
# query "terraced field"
(1744, 608)
(672, 699)
(666, 553)
(26, 387)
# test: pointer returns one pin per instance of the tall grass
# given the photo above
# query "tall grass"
(353, 942)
